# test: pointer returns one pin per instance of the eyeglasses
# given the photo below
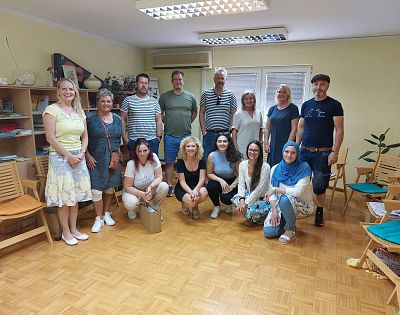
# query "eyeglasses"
(254, 150)
(219, 97)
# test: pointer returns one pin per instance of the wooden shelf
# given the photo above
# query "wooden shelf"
(25, 145)
(15, 117)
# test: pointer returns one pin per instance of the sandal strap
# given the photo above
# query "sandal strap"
(284, 237)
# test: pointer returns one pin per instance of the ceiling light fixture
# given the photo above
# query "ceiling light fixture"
(172, 9)
(237, 37)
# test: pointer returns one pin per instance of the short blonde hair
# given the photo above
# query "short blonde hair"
(182, 153)
(288, 91)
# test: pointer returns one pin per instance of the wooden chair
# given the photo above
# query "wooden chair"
(42, 167)
(340, 174)
(15, 203)
(375, 242)
(377, 209)
(385, 171)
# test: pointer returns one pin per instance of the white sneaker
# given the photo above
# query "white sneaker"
(228, 209)
(98, 223)
(132, 214)
(150, 209)
(108, 219)
(215, 212)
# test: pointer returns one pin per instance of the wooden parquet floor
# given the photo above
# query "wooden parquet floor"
(195, 267)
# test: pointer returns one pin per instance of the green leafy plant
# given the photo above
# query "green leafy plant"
(114, 84)
(381, 146)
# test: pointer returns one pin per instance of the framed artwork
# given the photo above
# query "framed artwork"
(70, 73)
(59, 60)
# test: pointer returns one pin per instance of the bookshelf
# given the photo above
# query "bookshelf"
(24, 100)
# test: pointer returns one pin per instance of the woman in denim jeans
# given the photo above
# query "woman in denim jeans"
(290, 195)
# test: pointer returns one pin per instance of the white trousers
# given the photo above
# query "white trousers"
(131, 202)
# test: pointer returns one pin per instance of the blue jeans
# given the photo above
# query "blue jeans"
(208, 143)
(153, 144)
(318, 162)
(288, 219)
(171, 147)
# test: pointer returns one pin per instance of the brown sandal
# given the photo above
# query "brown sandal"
(195, 213)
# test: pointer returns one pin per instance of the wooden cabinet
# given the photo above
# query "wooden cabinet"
(21, 97)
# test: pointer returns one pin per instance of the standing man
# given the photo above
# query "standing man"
(178, 109)
(217, 107)
(320, 117)
(143, 115)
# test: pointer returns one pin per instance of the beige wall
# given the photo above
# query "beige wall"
(364, 77)
(32, 42)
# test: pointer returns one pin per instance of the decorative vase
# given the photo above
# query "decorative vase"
(92, 83)
(25, 77)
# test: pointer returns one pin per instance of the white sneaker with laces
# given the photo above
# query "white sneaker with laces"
(132, 214)
(98, 223)
(215, 212)
(108, 219)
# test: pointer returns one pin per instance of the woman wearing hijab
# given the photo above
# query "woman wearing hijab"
(290, 195)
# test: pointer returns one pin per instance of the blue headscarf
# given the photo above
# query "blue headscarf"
(290, 174)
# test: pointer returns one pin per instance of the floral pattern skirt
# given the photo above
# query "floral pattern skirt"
(255, 213)
(66, 185)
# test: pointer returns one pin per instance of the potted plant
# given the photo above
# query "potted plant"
(115, 85)
(381, 146)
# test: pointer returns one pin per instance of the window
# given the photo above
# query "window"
(264, 82)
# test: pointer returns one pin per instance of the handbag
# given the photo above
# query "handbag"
(115, 156)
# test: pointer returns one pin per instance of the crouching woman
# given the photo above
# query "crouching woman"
(143, 180)
(290, 195)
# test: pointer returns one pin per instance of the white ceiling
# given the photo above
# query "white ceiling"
(118, 20)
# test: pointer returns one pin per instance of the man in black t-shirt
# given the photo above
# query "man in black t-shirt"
(320, 118)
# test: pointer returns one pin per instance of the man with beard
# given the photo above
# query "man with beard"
(143, 115)
(179, 109)
(217, 107)
(320, 117)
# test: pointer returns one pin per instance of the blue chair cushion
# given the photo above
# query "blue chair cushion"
(368, 188)
(388, 231)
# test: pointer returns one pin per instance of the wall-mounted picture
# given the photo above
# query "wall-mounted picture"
(70, 73)
(6, 106)
(59, 60)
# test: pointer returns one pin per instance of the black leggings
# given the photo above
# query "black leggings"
(215, 192)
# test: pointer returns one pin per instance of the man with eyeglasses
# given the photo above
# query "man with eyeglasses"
(217, 107)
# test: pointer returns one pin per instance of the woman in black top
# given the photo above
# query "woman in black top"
(191, 175)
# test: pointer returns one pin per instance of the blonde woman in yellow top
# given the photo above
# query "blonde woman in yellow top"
(68, 180)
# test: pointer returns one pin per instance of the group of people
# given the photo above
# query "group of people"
(228, 166)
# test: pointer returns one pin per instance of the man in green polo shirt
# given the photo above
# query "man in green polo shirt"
(179, 109)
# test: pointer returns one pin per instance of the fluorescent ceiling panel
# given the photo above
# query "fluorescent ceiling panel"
(238, 37)
(172, 9)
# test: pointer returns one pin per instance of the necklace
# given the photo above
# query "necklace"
(107, 119)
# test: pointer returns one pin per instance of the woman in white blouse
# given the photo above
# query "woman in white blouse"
(143, 180)
(253, 185)
(247, 123)
(290, 194)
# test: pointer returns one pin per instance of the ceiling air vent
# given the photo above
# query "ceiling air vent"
(199, 59)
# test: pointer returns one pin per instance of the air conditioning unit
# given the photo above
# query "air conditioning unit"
(198, 59)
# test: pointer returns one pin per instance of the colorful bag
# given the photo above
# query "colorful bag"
(258, 211)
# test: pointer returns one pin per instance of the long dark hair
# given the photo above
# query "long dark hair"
(232, 155)
(259, 163)
(135, 158)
